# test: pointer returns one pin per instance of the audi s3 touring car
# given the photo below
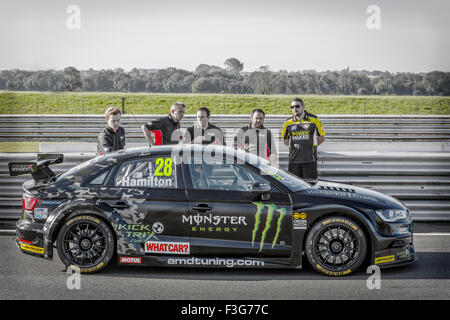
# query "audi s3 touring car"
(204, 206)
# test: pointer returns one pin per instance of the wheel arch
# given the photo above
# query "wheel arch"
(322, 212)
(58, 218)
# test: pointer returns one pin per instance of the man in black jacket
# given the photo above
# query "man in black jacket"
(203, 131)
(255, 138)
(112, 138)
(165, 129)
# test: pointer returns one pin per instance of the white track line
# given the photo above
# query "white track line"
(7, 231)
(431, 234)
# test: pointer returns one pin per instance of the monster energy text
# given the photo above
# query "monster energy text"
(214, 220)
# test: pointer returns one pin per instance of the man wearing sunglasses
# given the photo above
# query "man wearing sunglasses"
(112, 138)
(302, 132)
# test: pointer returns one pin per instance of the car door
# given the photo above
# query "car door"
(149, 199)
(226, 218)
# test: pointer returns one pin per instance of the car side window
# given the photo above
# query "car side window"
(147, 173)
(99, 180)
(222, 176)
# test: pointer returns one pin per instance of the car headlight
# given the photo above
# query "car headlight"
(393, 215)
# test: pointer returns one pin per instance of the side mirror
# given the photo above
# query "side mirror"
(263, 189)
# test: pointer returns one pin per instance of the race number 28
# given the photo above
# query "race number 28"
(163, 167)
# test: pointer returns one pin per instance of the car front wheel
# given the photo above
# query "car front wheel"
(86, 242)
(336, 246)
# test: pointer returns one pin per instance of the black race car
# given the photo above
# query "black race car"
(204, 206)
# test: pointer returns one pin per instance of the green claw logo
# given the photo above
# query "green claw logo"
(271, 209)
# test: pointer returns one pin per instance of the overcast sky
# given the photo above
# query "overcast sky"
(288, 35)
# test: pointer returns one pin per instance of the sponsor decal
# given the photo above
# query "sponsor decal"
(41, 213)
(21, 167)
(17, 168)
(300, 135)
(213, 223)
(341, 194)
(68, 223)
(341, 221)
(137, 233)
(402, 230)
(214, 229)
(384, 259)
(230, 263)
(402, 255)
(30, 248)
(101, 264)
(51, 202)
(131, 260)
(298, 215)
(300, 222)
(331, 273)
(199, 219)
(167, 247)
(158, 227)
(270, 209)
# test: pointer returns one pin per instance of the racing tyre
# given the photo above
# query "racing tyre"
(86, 242)
(336, 246)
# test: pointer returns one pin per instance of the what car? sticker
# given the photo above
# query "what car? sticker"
(168, 247)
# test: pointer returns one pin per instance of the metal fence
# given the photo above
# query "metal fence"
(337, 127)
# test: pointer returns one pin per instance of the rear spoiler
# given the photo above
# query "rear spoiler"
(39, 169)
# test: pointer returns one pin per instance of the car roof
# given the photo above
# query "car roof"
(91, 166)
(168, 149)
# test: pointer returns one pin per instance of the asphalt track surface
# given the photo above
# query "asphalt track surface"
(26, 277)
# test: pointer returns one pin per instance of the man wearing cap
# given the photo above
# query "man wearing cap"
(112, 138)
(302, 132)
(166, 129)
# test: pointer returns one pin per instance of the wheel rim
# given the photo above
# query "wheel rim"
(337, 248)
(85, 244)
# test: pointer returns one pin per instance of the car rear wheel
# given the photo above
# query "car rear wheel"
(336, 246)
(86, 242)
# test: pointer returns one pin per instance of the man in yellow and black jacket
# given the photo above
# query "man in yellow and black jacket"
(302, 132)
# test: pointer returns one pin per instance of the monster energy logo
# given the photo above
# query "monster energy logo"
(271, 210)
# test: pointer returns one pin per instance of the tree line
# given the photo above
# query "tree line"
(230, 79)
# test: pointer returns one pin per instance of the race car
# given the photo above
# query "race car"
(204, 206)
